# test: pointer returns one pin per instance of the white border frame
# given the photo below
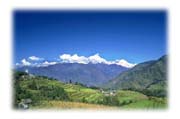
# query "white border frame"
(6, 9)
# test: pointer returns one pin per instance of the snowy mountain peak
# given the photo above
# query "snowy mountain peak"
(67, 58)
(124, 63)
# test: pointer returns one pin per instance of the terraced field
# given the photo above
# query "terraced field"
(148, 104)
(82, 94)
(46, 93)
(70, 105)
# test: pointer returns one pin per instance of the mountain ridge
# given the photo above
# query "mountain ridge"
(75, 58)
(88, 74)
(143, 77)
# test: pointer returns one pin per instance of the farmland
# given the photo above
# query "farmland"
(47, 93)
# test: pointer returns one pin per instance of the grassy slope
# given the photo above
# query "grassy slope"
(75, 92)
(133, 100)
(156, 103)
(78, 94)
(70, 105)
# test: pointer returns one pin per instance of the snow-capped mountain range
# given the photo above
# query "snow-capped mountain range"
(67, 58)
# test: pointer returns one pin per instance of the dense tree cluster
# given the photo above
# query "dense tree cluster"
(35, 91)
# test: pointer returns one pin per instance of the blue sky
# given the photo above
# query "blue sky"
(136, 36)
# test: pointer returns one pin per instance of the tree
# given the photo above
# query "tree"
(84, 100)
(33, 85)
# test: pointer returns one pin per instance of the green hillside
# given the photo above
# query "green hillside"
(37, 92)
(71, 105)
(148, 77)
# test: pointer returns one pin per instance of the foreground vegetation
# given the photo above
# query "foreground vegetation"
(37, 92)
(70, 105)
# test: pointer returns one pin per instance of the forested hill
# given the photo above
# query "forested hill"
(148, 76)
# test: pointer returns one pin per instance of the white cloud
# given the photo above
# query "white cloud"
(34, 58)
(25, 62)
(73, 59)
(17, 64)
(67, 58)
(96, 59)
(34, 62)
(46, 63)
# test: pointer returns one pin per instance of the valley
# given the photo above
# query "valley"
(90, 59)
(48, 93)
